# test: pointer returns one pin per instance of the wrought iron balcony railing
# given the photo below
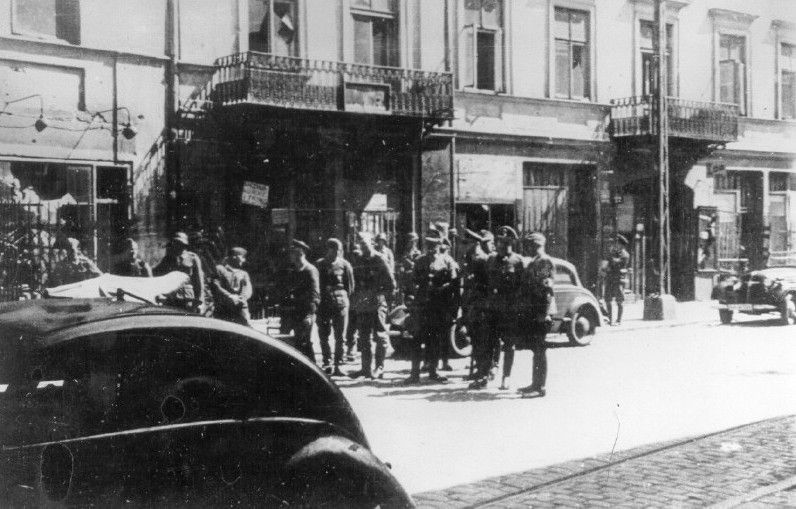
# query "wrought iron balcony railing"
(299, 83)
(714, 122)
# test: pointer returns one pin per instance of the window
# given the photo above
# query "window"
(375, 32)
(481, 42)
(273, 27)
(788, 81)
(732, 70)
(648, 74)
(572, 61)
(50, 19)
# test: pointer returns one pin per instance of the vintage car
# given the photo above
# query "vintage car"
(758, 292)
(577, 315)
(110, 403)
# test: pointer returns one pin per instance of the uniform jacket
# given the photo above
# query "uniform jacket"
(504, 276)
(230, 283)
(305, 292)
(538, 286)
(388, 256)
(374, 281)
(618, 261)
(436, 276)
(336, 282)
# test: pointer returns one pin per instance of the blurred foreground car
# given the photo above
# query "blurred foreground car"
(758, 292)
(577, 315)
(107, 403)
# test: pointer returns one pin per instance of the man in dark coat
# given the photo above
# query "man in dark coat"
(504, 285)
(132, 265)
(350, 335)
(375, 283)
(179, 258)
(616, 278)
(475, 296)
(232, 288)
(537, 289)
(435, 305)
(337, 285)
(305, 295)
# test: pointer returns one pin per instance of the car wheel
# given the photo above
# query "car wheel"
(582, 326)
(461, 344)
(788, 312)
(725, 315)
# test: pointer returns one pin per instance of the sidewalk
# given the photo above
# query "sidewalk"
(688, 313)
(748, 466)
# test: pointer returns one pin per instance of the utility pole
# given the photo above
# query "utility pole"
(661, 307)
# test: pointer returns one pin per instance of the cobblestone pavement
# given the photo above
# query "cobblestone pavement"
(751, 466)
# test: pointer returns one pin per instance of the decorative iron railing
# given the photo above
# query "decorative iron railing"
(289, 82)
(716, 122)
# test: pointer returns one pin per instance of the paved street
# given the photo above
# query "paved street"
(630, 388)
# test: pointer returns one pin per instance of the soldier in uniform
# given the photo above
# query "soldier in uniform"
(615, 278)
(232, 288)
(406, 265)
(350, 335)
(132, 265)
(436, 273)
(179, 258)
(485, 343)
(504, 288)
(537, 289)
(337, 285)
(305, 297)
(381, 248)
(74, 266)
(375, 283)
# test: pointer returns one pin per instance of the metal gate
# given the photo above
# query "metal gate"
(728, 235)
(546, 210)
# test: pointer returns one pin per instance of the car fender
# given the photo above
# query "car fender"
(337, 454)
(585, 300)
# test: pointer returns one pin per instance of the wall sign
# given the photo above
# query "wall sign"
(280, 216)
(367, 97)
(254, 194)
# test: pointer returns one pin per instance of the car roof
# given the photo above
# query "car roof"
(564, 263)
(40, 317)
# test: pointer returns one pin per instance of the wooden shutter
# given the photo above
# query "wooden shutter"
(67, 20)
(500, 82)
(467, 57)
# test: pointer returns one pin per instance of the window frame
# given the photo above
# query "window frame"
(672, 53)
(498, 31)
(298, 39)
(743, 75)
(736, 24)
(784, 35)
(587, 7)
(355, 11)
(17, 29)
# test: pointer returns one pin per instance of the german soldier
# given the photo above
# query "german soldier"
(485, 343)
(305, 297)
(337, 285)
(616, 278)
(435, 278)
(375, 282)
(178, 258)
(232, 288)
(504, 270)
(537, 287)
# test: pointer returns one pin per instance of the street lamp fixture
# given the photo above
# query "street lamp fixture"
(40, 123)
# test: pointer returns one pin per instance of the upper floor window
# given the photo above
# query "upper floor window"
(788, 81)
(273, 27)
(649, 76)
(375, 32)
(573, 61)
(481, 61)
(50, 19)
(732, 70)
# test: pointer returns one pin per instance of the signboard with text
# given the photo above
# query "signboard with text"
(367, 97)
(254, 194)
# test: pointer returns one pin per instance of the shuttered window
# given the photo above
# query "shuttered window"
(481, 45)
(48, 19)
(788, 81)
(649, 75)
(572, 54)
(732, 70)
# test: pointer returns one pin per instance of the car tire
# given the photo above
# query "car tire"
(788, 311)
(460, 342)
(582, 326)
(725, 315)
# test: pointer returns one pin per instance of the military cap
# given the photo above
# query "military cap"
(507, 232)
(335, 243)
(453, 232)
(470, 234)
(622, 239)
(486, 236)
(537, 238)
(297, 244)
(381, 236)
(130, 243)
(180, 237)
(364, 237)
(412, 236)
(237, 250)
(435, 237)
(74, 244)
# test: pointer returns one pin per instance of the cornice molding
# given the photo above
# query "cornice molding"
(783, 27)
(726, 18)
(673, 6)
